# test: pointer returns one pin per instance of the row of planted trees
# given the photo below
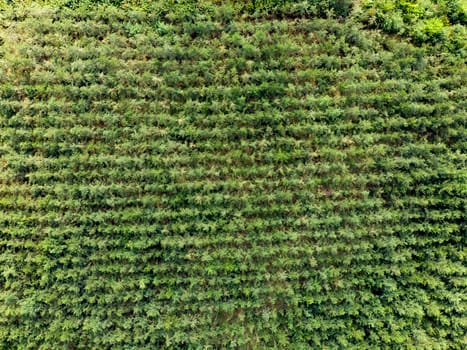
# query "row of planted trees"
(181, 182)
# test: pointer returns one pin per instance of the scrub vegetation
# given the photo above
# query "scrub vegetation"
(250, 175)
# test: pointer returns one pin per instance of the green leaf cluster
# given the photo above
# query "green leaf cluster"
(439, 22)
(198, 178)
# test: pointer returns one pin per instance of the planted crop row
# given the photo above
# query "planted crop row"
(231, 182)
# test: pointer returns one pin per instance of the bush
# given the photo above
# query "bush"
(321, 8)
(426, 21)
(393, 23)
(429, 30)
(187, 178)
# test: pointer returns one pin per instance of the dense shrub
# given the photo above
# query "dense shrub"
(423, 21)
(200, 176)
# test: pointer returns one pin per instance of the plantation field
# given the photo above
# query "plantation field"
(217, 180)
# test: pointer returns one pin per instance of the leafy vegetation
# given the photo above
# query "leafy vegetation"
(438, 22)
(219, 176)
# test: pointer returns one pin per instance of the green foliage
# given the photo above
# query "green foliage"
(320, 8)
(200, 176)
(424, 21)
(432, 29)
